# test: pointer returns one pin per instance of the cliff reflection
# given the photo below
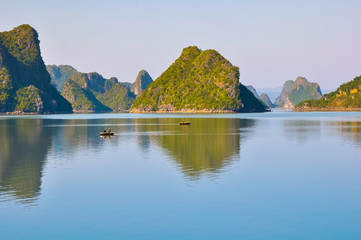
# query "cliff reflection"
(23, 148)
(205, 147)
(25, 144)
(349, 130)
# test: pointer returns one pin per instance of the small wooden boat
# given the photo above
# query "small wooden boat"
(106, 133)
(185, 123)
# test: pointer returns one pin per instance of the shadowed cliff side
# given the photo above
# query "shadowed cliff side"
(24, 81)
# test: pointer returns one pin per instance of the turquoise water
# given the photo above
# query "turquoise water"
(278, 175)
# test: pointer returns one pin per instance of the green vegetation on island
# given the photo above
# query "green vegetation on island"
(201, 81)
(346, 97)
(81, 99)
(59, 74)
(296, 92)
(28, 99)
(90, 92)
(24, 81)
(118, 97)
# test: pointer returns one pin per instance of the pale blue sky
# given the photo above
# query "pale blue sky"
(270, 41)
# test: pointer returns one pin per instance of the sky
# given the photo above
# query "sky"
(270, 41)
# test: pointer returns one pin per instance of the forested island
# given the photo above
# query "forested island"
(24, 81)
(90, 92)
(197, 81)
(347, 97)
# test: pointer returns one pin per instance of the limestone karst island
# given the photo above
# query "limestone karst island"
(197, 81)
(184, 120)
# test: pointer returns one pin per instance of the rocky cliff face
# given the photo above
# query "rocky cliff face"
(285, 90)
(296, 92)
(201, 81)
(141, 82)
(266, 100)
(59, 74)
(93, 81)
(24, 82)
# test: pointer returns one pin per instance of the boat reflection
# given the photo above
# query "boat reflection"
(106, 137)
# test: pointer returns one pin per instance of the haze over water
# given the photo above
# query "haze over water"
(277, 175)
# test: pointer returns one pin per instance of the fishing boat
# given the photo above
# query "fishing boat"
(185, 123)
(106, 133)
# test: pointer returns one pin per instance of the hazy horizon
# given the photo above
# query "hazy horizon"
(269, 42)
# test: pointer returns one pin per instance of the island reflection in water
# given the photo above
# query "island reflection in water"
(23, 150)
(205, 149)
(349, 130)
(202, 149)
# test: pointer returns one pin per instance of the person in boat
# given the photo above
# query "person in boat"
(109, 130)
(105, 131)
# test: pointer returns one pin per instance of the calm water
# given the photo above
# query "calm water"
(279, 175)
